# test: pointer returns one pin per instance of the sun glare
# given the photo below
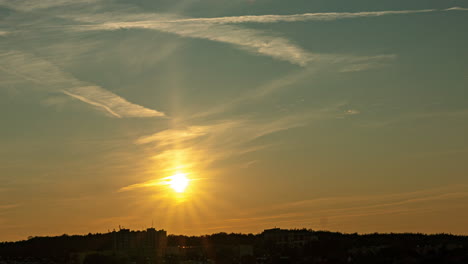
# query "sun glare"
(179, 182)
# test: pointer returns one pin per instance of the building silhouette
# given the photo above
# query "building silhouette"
(149, 244)
(288, 238)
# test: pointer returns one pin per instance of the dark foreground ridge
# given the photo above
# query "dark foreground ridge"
(271, 246)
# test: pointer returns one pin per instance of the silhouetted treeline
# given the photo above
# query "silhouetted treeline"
(57, 248)
(214, 239)
(270, 247)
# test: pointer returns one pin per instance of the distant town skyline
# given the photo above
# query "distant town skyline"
(271, 246)
(203, 116)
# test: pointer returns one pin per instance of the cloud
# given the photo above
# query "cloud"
(249, 164)
(30, 5)
(172, 136)
(272, 86)
(152, 183)
(216, 29)
(412, 116)
(352, 112)
(260, 91)
(8, 206)
(4, 33)
(350, 203)
(363, 66)
(147, 18)
(251, 40)
(49, 78)
(342, 209)
(109, 102)
(350, 213)
(227, 133)
(298, 17)
(457, 8)
(24, 67)
(57, 101)
(201, 147)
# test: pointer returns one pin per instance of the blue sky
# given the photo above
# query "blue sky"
(341, 115)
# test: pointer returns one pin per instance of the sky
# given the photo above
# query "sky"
(339, 115)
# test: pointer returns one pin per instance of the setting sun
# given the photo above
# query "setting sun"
(179, 182)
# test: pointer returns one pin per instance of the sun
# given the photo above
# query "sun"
(179, 182)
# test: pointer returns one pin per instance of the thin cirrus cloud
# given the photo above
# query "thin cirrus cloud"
(342, 208)
(335, 212)
(259, 92)
(199, 147)
(8, 206)
(30, 5)
(152, 183)
(172, 136)
(251, 40)
(456, 8)
(299, 17)
(217, 29)
(352, 112)
(376, 201)
(49, 78)
(110, 102)
(196, 147)
(330, 16)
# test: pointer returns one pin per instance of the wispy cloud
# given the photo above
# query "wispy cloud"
(352, 112)
(200, 147)
(216, 29)
(342, 209)
(329, 16)
(8, 206)
(352, 203)
(364, 66)
(348, 213)
(48, 77)
(252, 40)
(30, 5)
(457, 8)
(172, 136)
(249, 164)
(218, 132)
(260, 91)
(412, 116)
(249, 39)
(4, 33)
(151, 183)
(299, 17)
(109, 102)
